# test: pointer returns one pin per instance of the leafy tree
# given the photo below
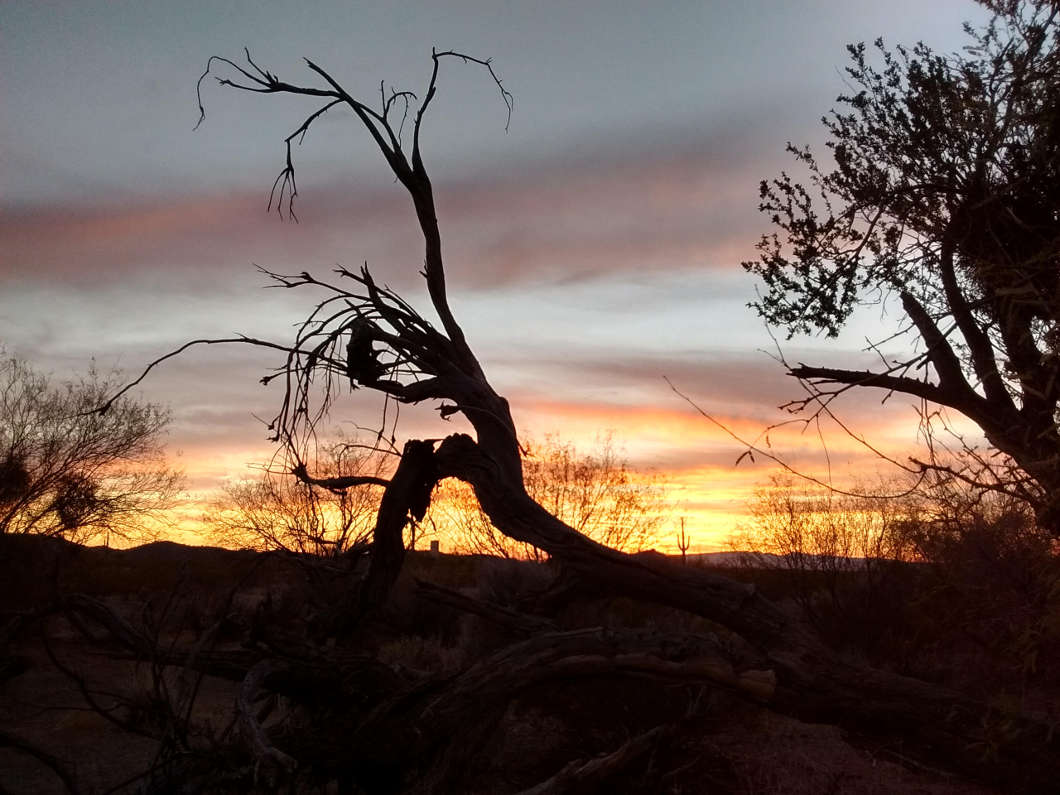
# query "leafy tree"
(68, 470)
(943, 191)
(595, 493)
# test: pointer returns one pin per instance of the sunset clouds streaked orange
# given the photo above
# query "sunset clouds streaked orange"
(579, 324)
(592, 250)
(578, 330)
(552, 224)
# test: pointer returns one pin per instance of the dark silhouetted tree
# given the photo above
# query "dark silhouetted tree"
(943, 192)
(68, 470)
(362, 334)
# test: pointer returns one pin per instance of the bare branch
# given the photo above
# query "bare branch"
(337, 483)
(286, 181)
(261, 747)
(506, 96)
(223, 341)
(754, 448)
(52, 762)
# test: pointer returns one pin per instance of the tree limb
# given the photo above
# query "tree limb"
(261, 746)
(583, 775)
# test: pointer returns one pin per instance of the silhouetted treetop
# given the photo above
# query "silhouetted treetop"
(943, 191)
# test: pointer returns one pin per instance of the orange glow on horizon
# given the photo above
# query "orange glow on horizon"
(712, 500)
(696, 461)
(709, 528)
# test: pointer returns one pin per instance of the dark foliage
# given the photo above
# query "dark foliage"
(943, 192)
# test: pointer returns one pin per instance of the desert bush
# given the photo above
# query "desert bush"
(71, 470)
(278, 511)
(947, 582)
(844, 553)
(991, 584)
(507, 582)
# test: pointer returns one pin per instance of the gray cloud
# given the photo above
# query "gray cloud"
(591, 250)
(554, 222)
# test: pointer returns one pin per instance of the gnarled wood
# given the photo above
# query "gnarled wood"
(418, 362)
(583, 775)
(267, 755)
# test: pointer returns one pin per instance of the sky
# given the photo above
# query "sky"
(592, 248)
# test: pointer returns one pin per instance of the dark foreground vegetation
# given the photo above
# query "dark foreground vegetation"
(386, 672)
(180, 669)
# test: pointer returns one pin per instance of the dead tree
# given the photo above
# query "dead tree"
(360, 333)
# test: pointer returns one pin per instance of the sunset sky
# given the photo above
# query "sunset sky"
(592, 249)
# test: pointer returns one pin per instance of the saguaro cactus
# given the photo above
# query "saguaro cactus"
(684, 541)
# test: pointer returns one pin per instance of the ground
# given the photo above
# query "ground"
(715, 740)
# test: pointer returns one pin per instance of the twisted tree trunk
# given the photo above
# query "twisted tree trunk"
(796, 673)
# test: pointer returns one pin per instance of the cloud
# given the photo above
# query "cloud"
(671, 434)
(557, 221)
(564, 223)
(582, 280)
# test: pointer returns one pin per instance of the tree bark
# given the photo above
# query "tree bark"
(798, 675)
(406, 499)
